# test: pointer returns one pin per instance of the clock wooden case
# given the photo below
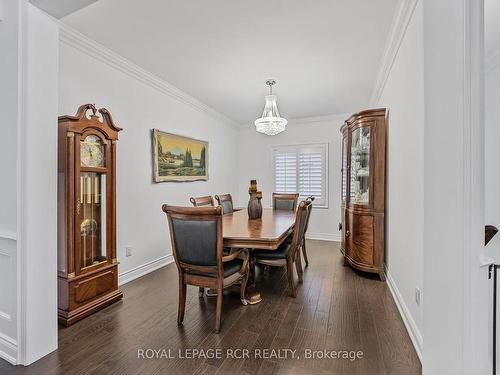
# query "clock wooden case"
(363, 191)
(87, 265)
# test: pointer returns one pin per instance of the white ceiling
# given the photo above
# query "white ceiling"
(491, 27)
(61, 8)
(324, 54)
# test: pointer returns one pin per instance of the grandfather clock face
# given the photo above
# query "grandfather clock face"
(92, 152)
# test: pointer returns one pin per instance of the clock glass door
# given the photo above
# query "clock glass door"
(360, 166)
(92, 202)
(92, 218)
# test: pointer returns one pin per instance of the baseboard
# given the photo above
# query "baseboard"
(411, 326)
(144, 269)
(8, 349)
(323, 236)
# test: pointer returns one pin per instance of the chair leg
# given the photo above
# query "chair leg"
(243, 289)
(304, 252)
(182, 300)
(201, 293)
(218, 309)
(298, 266)
(289, 273)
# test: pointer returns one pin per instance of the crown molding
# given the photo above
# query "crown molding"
(308, 120)
(397, 32)
(75, 39)
(491, 61)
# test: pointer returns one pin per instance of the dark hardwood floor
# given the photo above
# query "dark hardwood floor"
(336, 309)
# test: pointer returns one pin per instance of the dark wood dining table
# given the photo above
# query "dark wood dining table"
(266, 233)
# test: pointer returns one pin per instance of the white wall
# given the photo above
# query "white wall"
(137, 108)
(256, 162)
(403, 96)
(9, 101)
(9, 38)
(457, 321)
(492, 155)
(38, 205)
(28, 296)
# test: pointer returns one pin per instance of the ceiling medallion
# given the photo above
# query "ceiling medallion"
(270, 123)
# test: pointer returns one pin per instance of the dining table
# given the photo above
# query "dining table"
(265, 233)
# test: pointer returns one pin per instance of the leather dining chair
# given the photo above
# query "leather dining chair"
(196, 235)
(226, 201)
(205, 201)
(304, 252)
(285, 201)
(202, 201)
(288, 253)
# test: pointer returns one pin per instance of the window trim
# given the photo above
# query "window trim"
(297, 147)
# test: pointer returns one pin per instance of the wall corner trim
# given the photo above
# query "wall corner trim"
(144, 269)
(409, 322)
(75, 39)
(402, 18)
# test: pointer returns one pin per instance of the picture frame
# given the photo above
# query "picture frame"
(177, 158)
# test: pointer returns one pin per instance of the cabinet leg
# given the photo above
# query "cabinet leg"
(346, 263)
(382, 276)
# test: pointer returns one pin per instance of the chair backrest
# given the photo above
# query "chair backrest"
(285, 201)
(226, 201)
(301, 219)
(202, 201)
(310, 198)
(196, 235)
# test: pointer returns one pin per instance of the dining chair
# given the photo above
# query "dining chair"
(288, 253)
(285, 201)
(304, 252)
(202, 201)
(206, 201)
(226, 201)
(196, 235)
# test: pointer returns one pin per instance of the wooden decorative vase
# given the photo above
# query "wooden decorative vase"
(254, 205)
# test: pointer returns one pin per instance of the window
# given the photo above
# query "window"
(302, 169)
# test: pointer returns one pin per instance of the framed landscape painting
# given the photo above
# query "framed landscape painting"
(178, 158)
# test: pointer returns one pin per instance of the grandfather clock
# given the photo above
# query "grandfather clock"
(87, 265)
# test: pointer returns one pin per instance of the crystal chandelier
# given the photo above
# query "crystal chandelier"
(270, 123)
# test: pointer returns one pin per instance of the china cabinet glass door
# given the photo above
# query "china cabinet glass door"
(360, 166)
(344, 168)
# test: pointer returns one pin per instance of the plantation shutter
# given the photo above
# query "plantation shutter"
(311, 173)
(302, 169)
(285, 166)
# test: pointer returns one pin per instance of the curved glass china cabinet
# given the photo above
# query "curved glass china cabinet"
(363, 191)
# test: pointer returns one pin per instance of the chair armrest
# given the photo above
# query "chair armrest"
(232, 255)
(240, 253)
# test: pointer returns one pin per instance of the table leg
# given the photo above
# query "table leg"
(252, 295)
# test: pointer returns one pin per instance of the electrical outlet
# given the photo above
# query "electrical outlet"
(417, 296)
(128, 251)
